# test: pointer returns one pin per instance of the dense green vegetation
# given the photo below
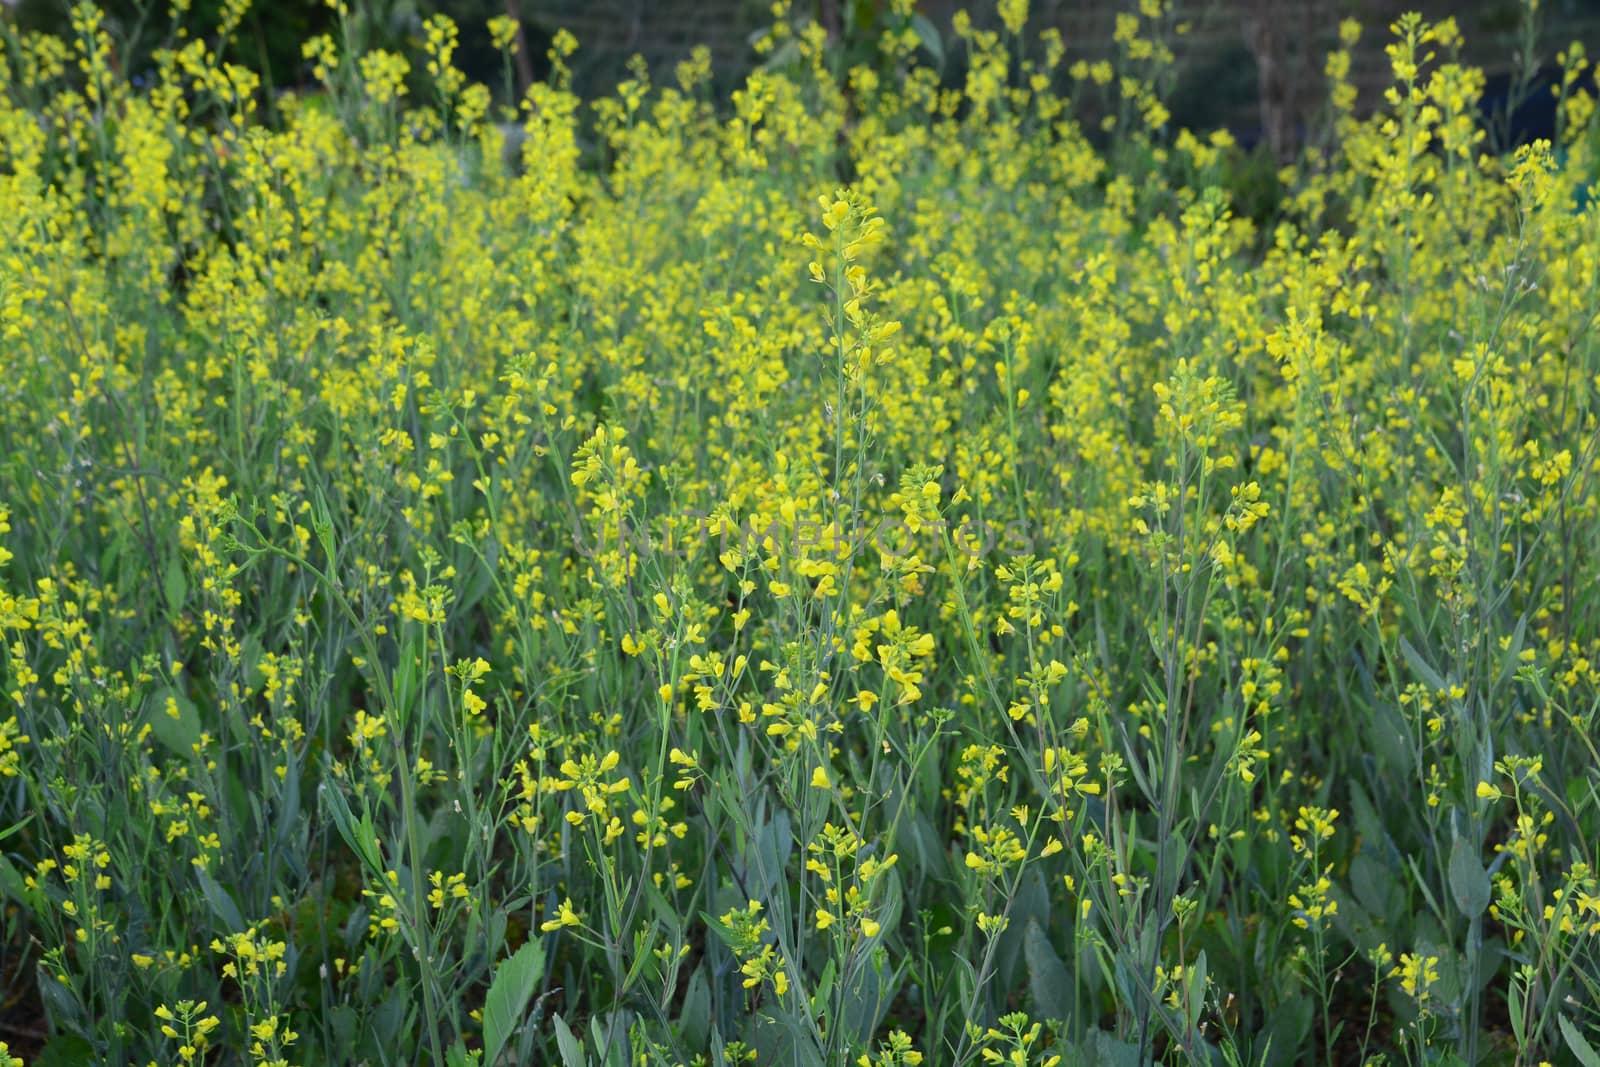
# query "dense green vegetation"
(849, 573)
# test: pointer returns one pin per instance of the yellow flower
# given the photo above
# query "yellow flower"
(565, 916)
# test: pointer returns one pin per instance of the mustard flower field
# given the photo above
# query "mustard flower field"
(881, 569)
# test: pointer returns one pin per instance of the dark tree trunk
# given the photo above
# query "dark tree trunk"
(524, 60)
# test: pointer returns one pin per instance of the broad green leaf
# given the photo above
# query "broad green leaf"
(1032, 904)
(1048, 978)
(1372, 885)
(344, 1025)
(866, 1001)
(288, 814)
(1430, 677)
(361, 837)
(64, 1050)
(920, 843)
(784, 55)
(1197, 991)
(62, 1008)
(718, 927)
(387, 1023)
(571, 1048)
(221, 903)
(1100, 1049)
(1289, 1030)
(819, 999)
(1420, 880)
(173, 720)
(610, 1038)
(1579, 1045)
(1390, 739)
(1509, 661)
(13, 886)
(784, 1040)
(1469, 882)
(643, 957)
(928, 34)
(694, 1018)
(174, 586)
(514, 982)
(1374, 833)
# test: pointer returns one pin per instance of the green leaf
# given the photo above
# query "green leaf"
(1580, 1046)
(1197, 991)
(1100, 1049)
(718, 927)
(64, 1050)
(571, 1048)
(1420, 667)
(514, 982)
(322, 526)
(929, 35)
(867, 1000)
(174, 586)
(1290, 1030)
(1372, 884)
(1509, 661)
(610, 1038)
(1032, 904)
(784, 55)
(1514, 1008)
(889, 901)
(643, 939)
(179, 734)
(1420, 880)
(819, 999)
(221, 904)
(62, 1009)
(660, 907)
(1374, 832)
(694, 1019)
(361, 837)
(385, 1024)
(1048, 978)
(344, 1025)
(920, 843)
(1469, 882)
(1391, 739)
(288, 814)
(12, 885)
(784, 1040)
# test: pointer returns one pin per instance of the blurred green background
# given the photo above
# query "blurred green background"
(1240, 60)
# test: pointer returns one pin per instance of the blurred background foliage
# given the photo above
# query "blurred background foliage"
(1232, 46)
(1254, 67)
